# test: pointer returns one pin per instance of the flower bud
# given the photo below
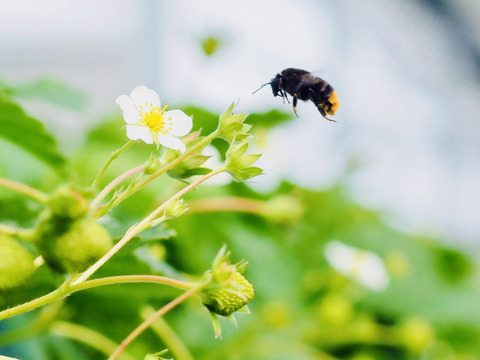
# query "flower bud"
(152, 165)
(175, 208)
(16, 263)
(238, 165)
(68, 202)
(231, 127)
(189, 167)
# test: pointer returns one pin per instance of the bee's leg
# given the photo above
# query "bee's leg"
(324, 114)
(295, 104)
(284, 97)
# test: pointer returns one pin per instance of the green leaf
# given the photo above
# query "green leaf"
(55, 92)
(29, 134)
(270, 118)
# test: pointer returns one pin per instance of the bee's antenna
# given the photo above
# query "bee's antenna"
(261, 87)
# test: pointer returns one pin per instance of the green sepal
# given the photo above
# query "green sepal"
(157, 356)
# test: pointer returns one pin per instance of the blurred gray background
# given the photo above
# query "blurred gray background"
(406, 71)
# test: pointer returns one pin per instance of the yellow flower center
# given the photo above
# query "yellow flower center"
(155, 119)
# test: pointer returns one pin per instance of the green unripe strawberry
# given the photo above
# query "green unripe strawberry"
(233, 296)
(68, 202)
(72, 245)
(16, 263)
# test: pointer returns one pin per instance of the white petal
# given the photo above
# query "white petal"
(372, 273)
(171, 142)
(144, 98)
(130, 112)
(178, 123)
(139, 133)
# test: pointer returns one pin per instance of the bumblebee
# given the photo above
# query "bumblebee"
(301, 84)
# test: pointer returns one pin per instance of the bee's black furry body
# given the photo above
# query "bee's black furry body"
(300, 84)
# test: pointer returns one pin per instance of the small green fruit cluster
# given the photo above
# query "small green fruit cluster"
(68, 238)
(233, 296)
(69, 245)
(16, 263)
(68, 202)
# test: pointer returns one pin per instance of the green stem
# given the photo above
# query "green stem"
(95, 202)
(124, 279)
(34, 304)
(164, 169)
(25, 234)
(87, 336)
(168, 335)
(66, 289)
(146, 324)
(112, 157)
(143, 225)
(24, 189)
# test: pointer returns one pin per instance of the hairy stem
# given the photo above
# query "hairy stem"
(66, 289)
(95, 202)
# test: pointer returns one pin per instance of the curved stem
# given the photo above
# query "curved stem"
(34, 304)
(167, 334)
(65, 290)
(24, 189)
(95, 202)
(143, 225)
(87, 336)
(112, 157)
(143, 326)
(124, 279)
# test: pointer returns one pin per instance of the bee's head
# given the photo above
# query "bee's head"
(276, 84)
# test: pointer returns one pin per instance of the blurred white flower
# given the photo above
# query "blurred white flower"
(363, 266)
(149, 122)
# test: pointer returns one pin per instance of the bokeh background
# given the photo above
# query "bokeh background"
(406, 73)
(405, 147)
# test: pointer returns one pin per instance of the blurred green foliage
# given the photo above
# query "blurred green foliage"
(303, 308)
(16, 126)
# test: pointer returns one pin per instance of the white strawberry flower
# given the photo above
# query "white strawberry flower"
(363, 266)
(148, 121)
